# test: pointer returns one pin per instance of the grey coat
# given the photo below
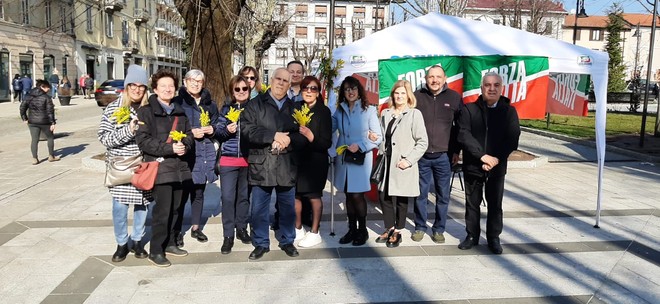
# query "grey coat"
(409, 142)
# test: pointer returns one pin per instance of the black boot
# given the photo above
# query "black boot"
(138, 248)
(361, 237)
(178, 238)
(227, 244)
(352, 231)
(120, 253)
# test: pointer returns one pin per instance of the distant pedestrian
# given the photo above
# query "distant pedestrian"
(38, 111)
(89, 85)
(54, 80)
(81, 85)
(17, 87)
(26, 85)
(489, 131)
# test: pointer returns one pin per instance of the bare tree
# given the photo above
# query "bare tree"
(416, 8)
(537, 11)
(308, 52)
(210, 26)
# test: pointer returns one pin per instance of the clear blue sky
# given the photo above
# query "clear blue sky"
(598, 7)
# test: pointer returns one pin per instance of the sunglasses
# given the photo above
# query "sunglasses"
(348, 89)
(238, 90)
(312, 89)
(250, 77)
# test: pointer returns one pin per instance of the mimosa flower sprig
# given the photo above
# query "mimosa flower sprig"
(340, 150)
(177, 135)
(302, 116)
(122, 115)
(234, 114)
(204, 119)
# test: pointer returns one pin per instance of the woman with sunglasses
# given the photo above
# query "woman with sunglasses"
(234, 169)
(193, 99)
(313, 168)
(356, 122)
(252, 77)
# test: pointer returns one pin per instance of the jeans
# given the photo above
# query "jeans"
(53, 90)
(120, 221)
(440, 170)
(235, 199)
(261, 211)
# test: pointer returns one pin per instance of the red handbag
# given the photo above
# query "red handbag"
(144, 176)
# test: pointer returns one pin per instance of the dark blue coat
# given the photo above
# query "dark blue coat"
(26, 83)
(204, 161)
(231, 142)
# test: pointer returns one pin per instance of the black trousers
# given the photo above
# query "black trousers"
(235, 195)
(196, 194)
(167, 199)
(494, 190)
(395, 208)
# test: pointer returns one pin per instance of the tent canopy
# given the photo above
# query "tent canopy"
(436, 35)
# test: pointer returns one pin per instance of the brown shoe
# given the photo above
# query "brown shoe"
(35, 161)
(53, 158)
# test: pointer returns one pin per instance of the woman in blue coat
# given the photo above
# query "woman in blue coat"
(194, 98)
(355, 121)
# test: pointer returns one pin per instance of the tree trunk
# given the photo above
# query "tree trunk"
(210, 40)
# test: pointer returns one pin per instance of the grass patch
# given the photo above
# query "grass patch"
(584, 127)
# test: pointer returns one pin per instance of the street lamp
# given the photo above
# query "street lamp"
(579, 13)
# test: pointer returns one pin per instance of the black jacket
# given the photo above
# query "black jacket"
(440, 114)
(233, 144)
(259, 123)
(492, 131)
(313, 169)
(152, 138)
(41, 108)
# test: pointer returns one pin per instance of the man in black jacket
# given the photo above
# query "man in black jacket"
(268, 127)
(489, 132)
(440, 107)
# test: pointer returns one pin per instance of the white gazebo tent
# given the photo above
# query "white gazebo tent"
(436, 35)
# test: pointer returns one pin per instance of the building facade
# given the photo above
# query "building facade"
(307, 34)
(96, 37)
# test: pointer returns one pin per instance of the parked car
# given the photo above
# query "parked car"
(651, 87)
(108, 92)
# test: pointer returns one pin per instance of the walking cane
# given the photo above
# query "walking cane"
(332, 197)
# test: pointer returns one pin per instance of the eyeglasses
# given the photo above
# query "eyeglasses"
(313, 89)
(195, 81)
(238, 90)
(250, 78)
(348, 89)
(281, 79)
(135, 87)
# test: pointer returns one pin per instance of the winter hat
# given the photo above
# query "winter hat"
(136, 74)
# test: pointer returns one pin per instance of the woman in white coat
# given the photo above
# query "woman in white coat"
(404, 144)
(355, 121)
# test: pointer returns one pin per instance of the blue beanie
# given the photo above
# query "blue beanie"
(136, 74)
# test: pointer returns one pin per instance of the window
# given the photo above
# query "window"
(88, 20)
(320, 33)
(596, 35)
(2, 10)
(281, 52)
(358, 12)
(548, 27)
(301, 10)
(25, 10)
(380, 12)
(321, 11)
(124, 33)
(63, 19)
(340, 12)
(109, 25)
(49, 19)
(301, 32)
(577, 34)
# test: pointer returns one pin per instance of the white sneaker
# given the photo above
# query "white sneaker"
(300, 233)
(311, 239)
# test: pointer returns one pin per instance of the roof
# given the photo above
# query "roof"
(554, 6)
(642, 19)
(588, 22)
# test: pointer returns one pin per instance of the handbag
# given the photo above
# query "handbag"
(144, 177)
(378, 170)
(354, 157)
(119, 169)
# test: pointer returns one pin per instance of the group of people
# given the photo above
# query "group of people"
(257, 145)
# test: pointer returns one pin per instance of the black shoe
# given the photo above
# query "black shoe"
(468, 243)
(258, 252)
(227, 245)
(175, 251)
(494, 246)
(394, 240)
(290, 250)
(120, 253)
(159, 260)
(199, 235)
(243, 235)
(348, 237)
(178, 239)
(138, 248)
(361, 237)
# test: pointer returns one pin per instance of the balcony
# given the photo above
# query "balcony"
(161, 51)
(113, 5)
(160, 25)
(132, 47)
(141, 15)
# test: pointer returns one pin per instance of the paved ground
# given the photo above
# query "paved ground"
(56, 239)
